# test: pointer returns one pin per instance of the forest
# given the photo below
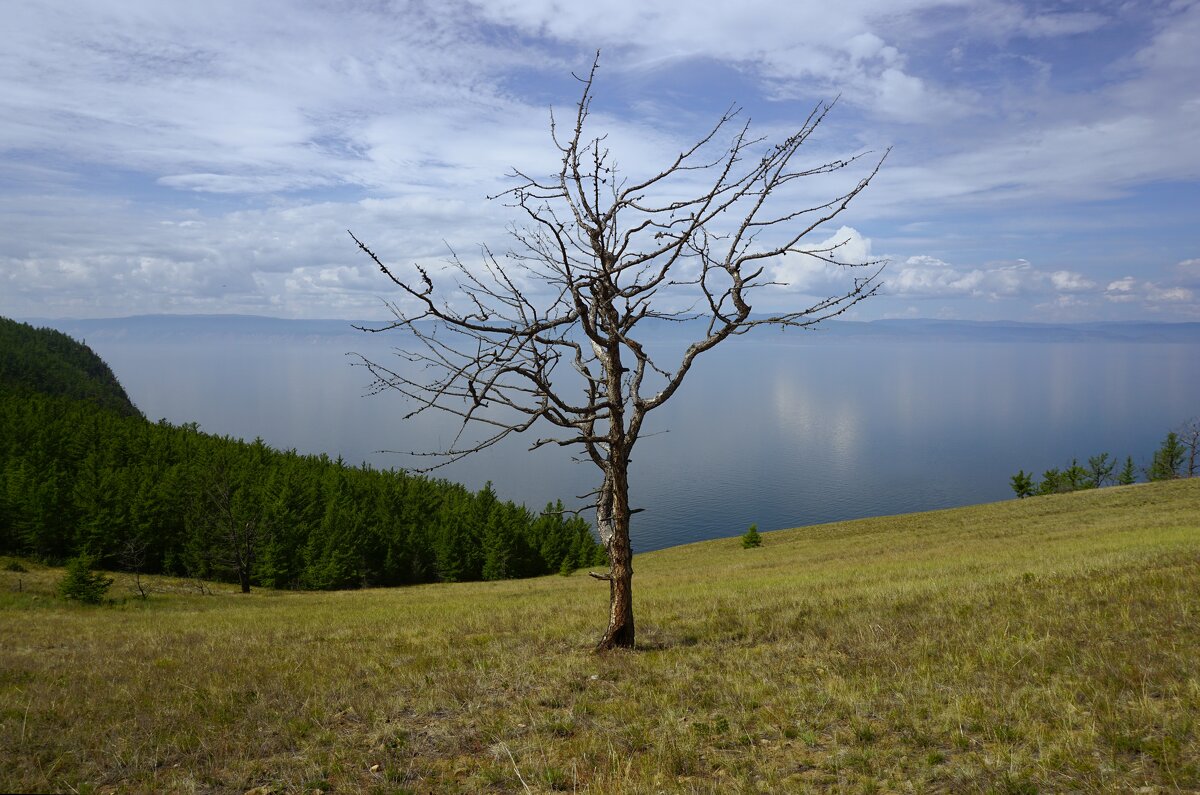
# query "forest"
(82, 472)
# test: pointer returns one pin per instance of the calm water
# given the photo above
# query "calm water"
(780, 431)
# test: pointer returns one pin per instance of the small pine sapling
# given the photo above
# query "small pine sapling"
(752, 538)
(83, 584)
(1168, 459)
(1023, 485)
(1128, 474)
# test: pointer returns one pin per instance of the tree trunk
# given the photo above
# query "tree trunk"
(620, 591)
(614, 518)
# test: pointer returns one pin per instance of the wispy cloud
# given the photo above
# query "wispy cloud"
(175, 158)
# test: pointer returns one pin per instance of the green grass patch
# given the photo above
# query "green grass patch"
(1041, 645)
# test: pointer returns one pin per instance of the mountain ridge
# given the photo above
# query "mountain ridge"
(907, 329)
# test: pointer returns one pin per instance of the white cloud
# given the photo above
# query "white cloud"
(868, 46)
(297, 257)
(1156, 294)
(801, 49)
(1121, 290)
(812, 274)
(923, 276)
(1189, 272)
(905, 97)
(1066, 163)
(1150, 294)
(1062, 24)
(928, 277)
(1071, 282)
(173, 157)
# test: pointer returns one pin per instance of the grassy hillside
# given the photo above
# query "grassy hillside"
(1049, 644)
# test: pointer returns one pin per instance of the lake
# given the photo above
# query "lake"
(780, 430)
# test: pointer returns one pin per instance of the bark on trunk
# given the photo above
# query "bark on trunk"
(620, 633)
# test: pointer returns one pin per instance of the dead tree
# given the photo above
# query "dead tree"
(133, 559)
(1189, 436)
(558, 332)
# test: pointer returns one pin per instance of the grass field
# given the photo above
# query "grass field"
(1043, 645)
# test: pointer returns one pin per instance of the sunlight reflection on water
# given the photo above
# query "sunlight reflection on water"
(777, 432)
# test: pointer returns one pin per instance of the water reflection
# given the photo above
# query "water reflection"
(774, 432)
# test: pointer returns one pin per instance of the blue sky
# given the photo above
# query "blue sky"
(208, 157)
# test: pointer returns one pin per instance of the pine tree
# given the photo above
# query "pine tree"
(1022, 484)
(1075, 477)
(82, 584)
(80, 475)
(1167, 459)
(1128, 475)
(752, 538)
(1099, 470)
(1052, 482)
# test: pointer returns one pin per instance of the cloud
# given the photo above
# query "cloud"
(1188, 271)
(923, 276)
(1121, 290)
(178, 87)
(814, 274)
(1061, 24)
(1070, 162)
(1130, 290)
(156, 157)
(1038, 142)
(799, 50)
(1018, 283)
(375, 96)
(1156, 294)
(233, 101)
(1071, 282)
(296, 256)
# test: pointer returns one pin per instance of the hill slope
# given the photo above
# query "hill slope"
(83, 472)
(1047, 644)
(49, 362)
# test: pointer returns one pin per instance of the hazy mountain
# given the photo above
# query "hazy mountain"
(230, 326)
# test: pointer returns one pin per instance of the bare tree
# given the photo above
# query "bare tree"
(1189, 436)
(133, 559)
(557, 332)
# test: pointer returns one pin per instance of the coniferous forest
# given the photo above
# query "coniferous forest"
(82, 472)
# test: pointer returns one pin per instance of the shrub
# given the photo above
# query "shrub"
(83, 584)
(752, 538)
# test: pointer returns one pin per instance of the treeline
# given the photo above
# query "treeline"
(78, 476)
(1177, 457)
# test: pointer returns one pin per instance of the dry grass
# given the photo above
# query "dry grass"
(1043, 645)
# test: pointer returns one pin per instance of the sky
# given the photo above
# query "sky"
(169, 157)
